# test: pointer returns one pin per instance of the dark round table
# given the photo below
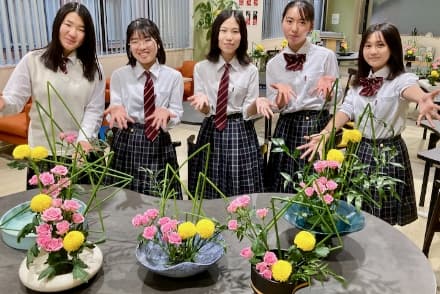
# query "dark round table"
(379, 259)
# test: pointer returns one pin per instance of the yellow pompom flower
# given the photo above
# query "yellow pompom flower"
(281, 270)
(335, 155)
(186, 230)
(73, 241)
(39, 152)
(205, 228)
(284, 44)
(305, 241)
(21, 151)
(40, 202)
(354, 135)
(259, 48)
(434, 74)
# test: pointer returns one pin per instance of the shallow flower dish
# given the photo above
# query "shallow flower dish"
(297, 216)
(152, 256)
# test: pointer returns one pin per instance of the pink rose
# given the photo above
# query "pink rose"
(262, 212)
(77, 218)
(70, 205)
(152, 213)
(149, 232)
(43, 240)
(46, 178)
(64, 182)
(33, 181)
(53, 245)
(59, 170)
(44, 230)
(62, 227)
(267, 274)
(302, 184)
(328, 199)
(232, 225)
(57, 202)
(261, 266)
(309, 191)
(53, 191)
(270, 258)
(331, 185)
(174, 238)
(246, 253)
(52, 214)
(320, 166)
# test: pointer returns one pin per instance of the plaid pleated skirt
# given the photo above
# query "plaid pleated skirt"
(235, 161)
(292, 127)
(392, 210)
(133, 153)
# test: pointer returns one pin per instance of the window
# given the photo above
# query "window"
(26, 25)
(273, 10)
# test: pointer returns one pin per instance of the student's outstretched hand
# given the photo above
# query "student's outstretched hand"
(264, 106)
(200, 102)
(159, 118)
(119, 115)
(427, 107)
(285, 93)
(324, 86)
(314, 144)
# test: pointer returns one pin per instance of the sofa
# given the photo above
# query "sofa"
(187, 70)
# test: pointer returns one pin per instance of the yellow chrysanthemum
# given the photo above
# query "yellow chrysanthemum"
(73, 241)
(284, 43)
(354, 135)
(335, 155)
(40, 202)
(205, 228)
(409, 52)
(21, 151)
(186, 230)
(434, 74)
(39, 152)
(305, 241)
(259, 48)
(281, 270)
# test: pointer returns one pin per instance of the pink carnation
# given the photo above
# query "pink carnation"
(261, 266)
(64, 182)
(52, 214)
(62, 227)
(70, 205)
(232, 207)
(333, 164)
(59, 170)
(270, 258)
(149, 232)
(46, 178)
(309, 191)
(163, 220)
(262, 212)
(57, 202)
(33, 181)
(169, 226)
(174, 238)
(246, 253)
(77, 218)
(244, 200)
(320, 166)
(152, 213)
(53, 245)
(331, 185)
(71, 137)
(267, 274)
(328, 199)
(139, 220)
(44, 230)
(233, 225)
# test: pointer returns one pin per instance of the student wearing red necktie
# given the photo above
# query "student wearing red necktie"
(145, 102)
(297, 80)
(382, 85)
(226, 91)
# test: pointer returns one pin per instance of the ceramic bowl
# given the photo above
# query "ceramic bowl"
(152, 256)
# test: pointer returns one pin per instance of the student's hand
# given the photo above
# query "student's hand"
(315, 144)
(2, 102)
(159, 118)
(264, 106)
(118, 115)
(285, 93)
(427, 107)
(324, 86)
(200, 102)
(86, 146)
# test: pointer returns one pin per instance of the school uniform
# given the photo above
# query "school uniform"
(305, 115)
(134, 152)
(235, 162)
(389, 110)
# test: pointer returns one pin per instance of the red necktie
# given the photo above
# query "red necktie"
(222, 100)
(63, 65)
(370, 86)
(149, 107)
(294, 61)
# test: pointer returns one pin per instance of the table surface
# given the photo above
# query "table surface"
(378, 259)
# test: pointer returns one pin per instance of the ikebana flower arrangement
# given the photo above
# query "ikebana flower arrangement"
(258, 55)
(409, 52)
(433, 77)
(343, 47)
(301, 261)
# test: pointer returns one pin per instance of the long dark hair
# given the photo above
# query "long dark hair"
(53, 55)
(146, 28)
(392, 38)
(241, 53)
(305, 9)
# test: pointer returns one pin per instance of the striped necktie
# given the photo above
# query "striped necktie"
(222, 100)
(149, 107)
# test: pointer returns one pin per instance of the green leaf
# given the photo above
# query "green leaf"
(79, 273)
(48, 273)
(322, 251)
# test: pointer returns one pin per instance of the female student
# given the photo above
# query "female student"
(226, 91)
(383, 86)
(145, 102)
(298, 80)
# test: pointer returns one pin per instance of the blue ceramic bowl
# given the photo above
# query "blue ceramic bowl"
(155, 259)
(297, 213)
(10, 231)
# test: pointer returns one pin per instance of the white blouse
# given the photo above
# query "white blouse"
(243, 84)
(388, 108)
(319, 62)
(127, 89)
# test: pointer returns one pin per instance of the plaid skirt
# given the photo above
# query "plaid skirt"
(292, 127)
(392, 210)
(133, 153)
(235, 161)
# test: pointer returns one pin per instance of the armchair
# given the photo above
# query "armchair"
(187, 70)
(14, 128)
